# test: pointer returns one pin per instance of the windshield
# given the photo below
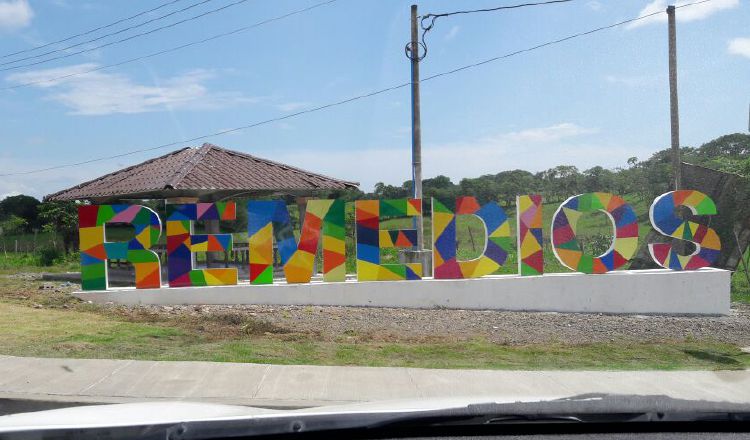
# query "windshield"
(297, 204)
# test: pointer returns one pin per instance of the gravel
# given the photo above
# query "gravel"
(515, 328)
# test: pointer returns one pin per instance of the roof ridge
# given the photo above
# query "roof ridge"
(198, 154)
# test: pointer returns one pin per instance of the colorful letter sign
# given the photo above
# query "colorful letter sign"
(664, 220)
(95, 251)
(370, 239)
(181, 243)
(564, 232)
(269, 219)
(497, 234)
(323, 230)
(529, 234)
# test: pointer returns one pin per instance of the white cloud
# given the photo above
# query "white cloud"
(100, 93)
(691, 13)
(636, 81)
(740, 46)
(553, 133)
(452, 33)
(594, 5)
(292, 106)
(15, 14)
(533, 149)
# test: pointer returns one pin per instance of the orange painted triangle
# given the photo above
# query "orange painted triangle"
(417, 204)
(333, 259)
(599, 267)
(150, 281)
(402, 241)
(466, 205)
(97, 252)
(680, 196)
(614, 203)
(364, 215)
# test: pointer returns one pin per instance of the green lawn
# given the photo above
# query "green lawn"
(46, 332)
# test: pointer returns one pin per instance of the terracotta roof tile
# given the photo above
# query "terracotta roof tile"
(200, 170)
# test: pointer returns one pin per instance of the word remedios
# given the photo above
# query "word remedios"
(323, 229)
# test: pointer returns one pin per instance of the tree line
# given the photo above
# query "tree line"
(21, 214)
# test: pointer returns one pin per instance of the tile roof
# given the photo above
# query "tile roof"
(194, 171)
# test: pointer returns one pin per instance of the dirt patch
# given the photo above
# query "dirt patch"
(365, 324)
(399, 325)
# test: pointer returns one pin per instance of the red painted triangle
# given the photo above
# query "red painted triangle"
(660, 251)
(536, 261)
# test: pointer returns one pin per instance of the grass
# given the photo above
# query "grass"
(740, 285)
(45, 332)
(46, 323)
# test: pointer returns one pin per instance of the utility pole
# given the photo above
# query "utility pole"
(673, 106)
(416, 135)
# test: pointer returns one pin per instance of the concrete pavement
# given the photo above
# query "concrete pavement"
(116, 381)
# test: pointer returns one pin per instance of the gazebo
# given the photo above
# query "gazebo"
(207, 173)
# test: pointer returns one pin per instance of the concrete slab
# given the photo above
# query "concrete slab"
(119, 381)
(660, 291)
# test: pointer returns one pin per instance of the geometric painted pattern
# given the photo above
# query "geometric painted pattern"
(444, 243)
(182, 243)
(529, 232)
(269, 220)
(665, 221)
(371, 239)
(565, 244)
(95, 251)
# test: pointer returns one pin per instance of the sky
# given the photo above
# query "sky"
(594, 100)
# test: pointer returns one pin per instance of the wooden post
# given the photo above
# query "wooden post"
(416, 133)
(673, 105)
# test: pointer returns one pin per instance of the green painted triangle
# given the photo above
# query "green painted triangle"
(398, 269)
(439, 207)
(197, 278)
(571, 245)
(584, 202)
(104, 214)
(706, 207)
(528, 270)
(266, 277)
(393, 208)
(586, 265)
(687, 234)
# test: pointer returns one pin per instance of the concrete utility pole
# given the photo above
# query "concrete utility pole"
(673, 106)
(416, 133)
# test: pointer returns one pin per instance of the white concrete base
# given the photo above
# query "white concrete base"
(660, 291)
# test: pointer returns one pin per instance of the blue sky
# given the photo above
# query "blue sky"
(595, 100)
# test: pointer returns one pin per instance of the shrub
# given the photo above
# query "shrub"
(48, 255)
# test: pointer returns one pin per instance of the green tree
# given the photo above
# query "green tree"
(13, 225)
(21, 206)
(61, 218)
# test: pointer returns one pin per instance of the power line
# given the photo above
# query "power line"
(172, 49)
(433, 17)
(91, 30)
(63, 49)
(122, 40)
(351, 99)
(499, 8)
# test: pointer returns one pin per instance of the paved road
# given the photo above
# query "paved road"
(114, 381)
